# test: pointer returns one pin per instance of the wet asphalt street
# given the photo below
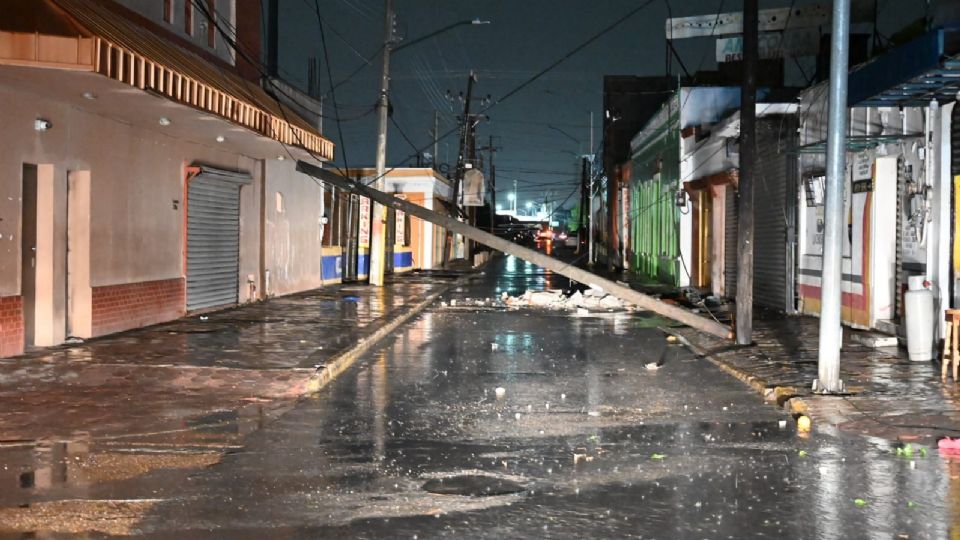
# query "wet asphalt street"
(413, 441)
(585, 442)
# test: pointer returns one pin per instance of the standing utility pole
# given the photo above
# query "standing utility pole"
(464, 138)
(377, 236)
(830, 280)
(588, 165)
(493, 185)
(461, 162)
(748, 167)
(582, 232)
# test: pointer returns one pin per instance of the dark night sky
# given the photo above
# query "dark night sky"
(524, 37)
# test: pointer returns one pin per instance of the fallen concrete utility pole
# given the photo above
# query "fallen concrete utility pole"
(625, 294)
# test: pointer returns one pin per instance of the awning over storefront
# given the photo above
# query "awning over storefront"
(91, 35)
(926, 69)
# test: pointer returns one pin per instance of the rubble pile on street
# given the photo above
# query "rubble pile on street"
(590, 299)
(582, 302)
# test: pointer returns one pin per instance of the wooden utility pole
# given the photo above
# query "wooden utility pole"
(748, 165)
(625, 293)
(378, 228)
(583, 232)
(461, 164)
(492, 173)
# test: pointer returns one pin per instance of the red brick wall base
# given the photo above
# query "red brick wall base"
(132, 305)
(11, 326)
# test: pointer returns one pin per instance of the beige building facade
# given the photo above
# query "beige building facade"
(133, 190)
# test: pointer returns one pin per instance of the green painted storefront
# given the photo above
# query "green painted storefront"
(654, 217)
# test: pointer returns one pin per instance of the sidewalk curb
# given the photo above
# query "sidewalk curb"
(786, 397)
(344, 359)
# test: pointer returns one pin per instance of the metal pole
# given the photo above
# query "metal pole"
(748, 165)
(377, 237)
(830, 280)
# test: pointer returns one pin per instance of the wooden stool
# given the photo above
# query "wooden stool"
(950, 341)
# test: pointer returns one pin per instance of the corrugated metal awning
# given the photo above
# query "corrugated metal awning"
(104, 37)
(926, 69)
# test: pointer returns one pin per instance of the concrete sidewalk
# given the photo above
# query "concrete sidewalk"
(178, 395)
(889, 396)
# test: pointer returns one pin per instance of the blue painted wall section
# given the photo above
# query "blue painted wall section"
(402, 261)
(332, 267)
(363, 265)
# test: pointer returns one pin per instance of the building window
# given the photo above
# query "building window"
(188, 17)
(168, 11)
(279, 202)
(212, 24)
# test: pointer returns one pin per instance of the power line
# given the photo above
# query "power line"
(333, 92)
(574, 51)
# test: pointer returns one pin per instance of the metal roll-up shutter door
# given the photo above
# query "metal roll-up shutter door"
(773, 213)
(730, 241)
(213, 238)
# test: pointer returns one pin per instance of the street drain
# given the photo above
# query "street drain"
(472, 485)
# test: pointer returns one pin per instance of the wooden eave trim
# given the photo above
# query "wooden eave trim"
(726, 177)
(130, 68)
(32, 49)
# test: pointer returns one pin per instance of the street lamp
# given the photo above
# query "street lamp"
(475, 22)
(378, 227)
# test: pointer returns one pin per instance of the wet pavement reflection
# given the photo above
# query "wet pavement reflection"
(525, 423)
(405, 443)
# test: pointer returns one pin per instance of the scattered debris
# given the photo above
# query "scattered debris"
(948, 444)
(859, 502)
(653, 366)
(494, 346)
(908, 451)
(582, 302)
(657, 457)
(804, 424)
(500, 391)
(577, 458)
(351, 298)
(803, 453)
(875, 340)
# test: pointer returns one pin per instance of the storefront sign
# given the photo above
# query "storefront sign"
(772, 45)
(364, 221)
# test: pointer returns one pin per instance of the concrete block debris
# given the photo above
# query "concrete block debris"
(579, 301)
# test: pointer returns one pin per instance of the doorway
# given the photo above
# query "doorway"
(28, 253)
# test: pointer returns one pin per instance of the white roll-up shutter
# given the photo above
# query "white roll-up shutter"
(213, 238)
